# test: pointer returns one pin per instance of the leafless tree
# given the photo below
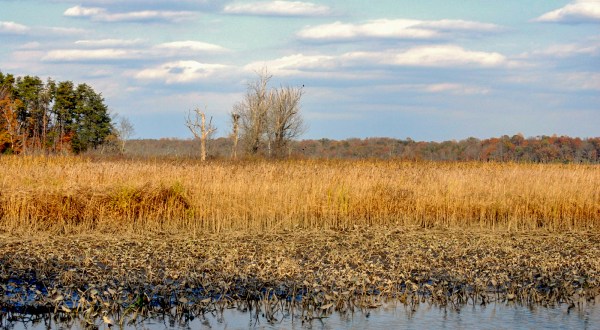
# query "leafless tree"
(269, 118)
(196, 123)
(253, 111)
(125, 131)
(285, 121)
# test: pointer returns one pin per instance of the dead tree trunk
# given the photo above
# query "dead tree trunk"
(235, 119)
(197, 125)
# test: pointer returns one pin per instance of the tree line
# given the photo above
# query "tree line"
(516, 148)
(57, 117)
(539, 149)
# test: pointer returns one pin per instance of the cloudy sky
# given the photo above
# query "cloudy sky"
(429, 70)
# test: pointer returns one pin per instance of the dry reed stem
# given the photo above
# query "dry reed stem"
(70, 194)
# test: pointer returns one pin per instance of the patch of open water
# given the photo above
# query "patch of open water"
(425, 316)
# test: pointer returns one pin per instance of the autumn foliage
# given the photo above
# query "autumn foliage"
(10, 139)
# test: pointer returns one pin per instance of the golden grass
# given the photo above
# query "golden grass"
(72, 194)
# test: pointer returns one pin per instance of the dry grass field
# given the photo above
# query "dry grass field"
(76, 195)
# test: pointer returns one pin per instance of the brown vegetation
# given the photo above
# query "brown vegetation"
(299, 274)
(279, 238)
(70, 194)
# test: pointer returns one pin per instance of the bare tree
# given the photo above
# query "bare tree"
(235, 121)
(285, 121)
(124, 130)
(253, 111)
(197, 125)
(269, 118)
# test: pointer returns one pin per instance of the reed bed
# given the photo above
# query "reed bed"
(304, 275)
(72, 194)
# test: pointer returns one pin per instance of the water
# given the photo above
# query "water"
(492, 316)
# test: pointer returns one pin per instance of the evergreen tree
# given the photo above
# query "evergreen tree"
(92, 123)
(63, 109)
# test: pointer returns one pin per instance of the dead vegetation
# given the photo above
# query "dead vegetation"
(116, 242)
(75, 195)
(301, 274)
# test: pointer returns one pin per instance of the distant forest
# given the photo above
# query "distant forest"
(540, 149)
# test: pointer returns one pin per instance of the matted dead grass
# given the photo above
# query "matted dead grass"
(308, 274)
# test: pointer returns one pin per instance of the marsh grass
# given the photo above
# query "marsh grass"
(72, 194)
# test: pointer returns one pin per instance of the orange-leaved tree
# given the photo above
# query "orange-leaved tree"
(10, 127)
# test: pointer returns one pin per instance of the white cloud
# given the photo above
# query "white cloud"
(441, 56)
(459, 25)
(79, 11)
(76, 55)
(12, 28)
(19, 29)
(278, 8)
(27, 56)
(581, 80)
(101, 14)
(394, 28)
(576, 12)
(60, 31)
(149, 15)
(428, 56)
(405, 29)
(573, 54)
(110, 50)
(191, 45)
(567, 50)
(295, 64)
(103, 43)
(447, 56)
(452, 88)
(193, 4)
(181, 72)
(457, 89)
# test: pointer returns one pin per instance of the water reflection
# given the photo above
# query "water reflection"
(493, 316)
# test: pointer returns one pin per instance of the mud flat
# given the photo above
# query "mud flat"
(307, 274)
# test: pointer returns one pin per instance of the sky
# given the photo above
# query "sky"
(431, 70)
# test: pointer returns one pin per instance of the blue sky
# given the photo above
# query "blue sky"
(429, 70)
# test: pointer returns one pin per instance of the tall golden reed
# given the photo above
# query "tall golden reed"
(72, 194)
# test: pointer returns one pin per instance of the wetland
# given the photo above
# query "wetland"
(97, 243)
(307, 275)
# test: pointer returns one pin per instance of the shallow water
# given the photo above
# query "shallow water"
(492, 316)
